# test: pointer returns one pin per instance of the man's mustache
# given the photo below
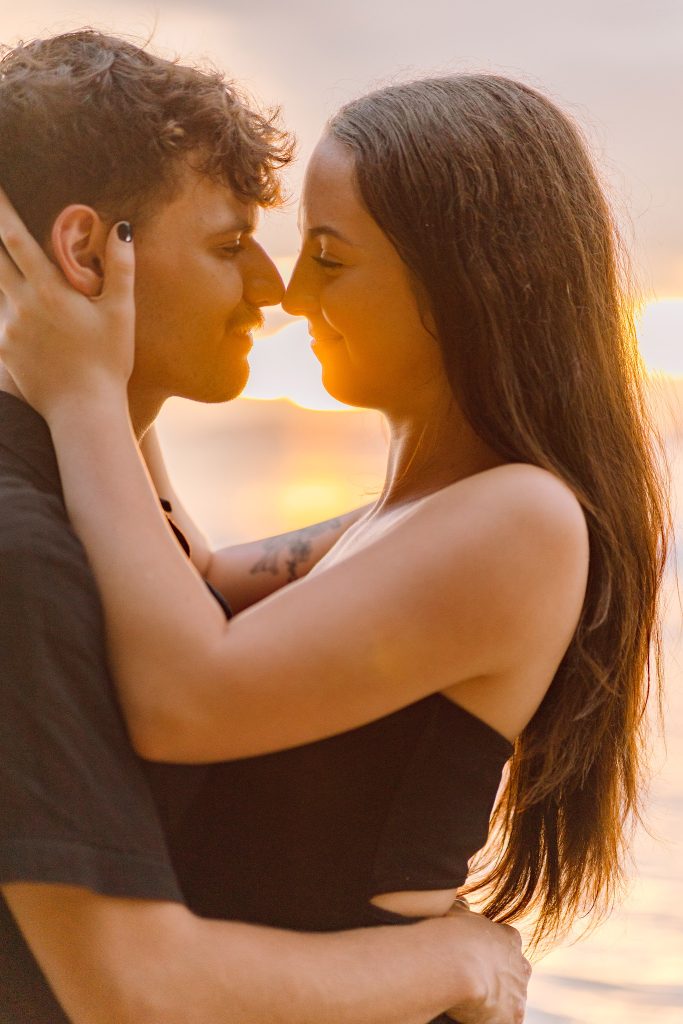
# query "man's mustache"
(246, 321)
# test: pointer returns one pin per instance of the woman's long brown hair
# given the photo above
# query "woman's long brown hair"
(489, 195)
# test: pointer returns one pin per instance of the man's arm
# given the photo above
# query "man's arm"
(144, 962)
(246, 573)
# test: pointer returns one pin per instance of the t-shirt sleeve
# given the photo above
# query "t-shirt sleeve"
(75, 807)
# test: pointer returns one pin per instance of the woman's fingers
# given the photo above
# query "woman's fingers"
(24, 258)
(21, 246)
(49, 323)
(119, 277)
(10, 277)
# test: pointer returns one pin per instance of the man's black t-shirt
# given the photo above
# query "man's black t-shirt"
(75, 804)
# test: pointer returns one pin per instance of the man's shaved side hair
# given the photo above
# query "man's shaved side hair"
(90, 118)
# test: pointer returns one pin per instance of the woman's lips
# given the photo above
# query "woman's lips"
(328, 339)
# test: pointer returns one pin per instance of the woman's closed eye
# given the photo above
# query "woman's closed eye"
(327, 261)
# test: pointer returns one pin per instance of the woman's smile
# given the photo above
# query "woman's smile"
(320, 341)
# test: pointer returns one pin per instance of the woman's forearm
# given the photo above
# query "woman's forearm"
(157, 607)
(189, 692)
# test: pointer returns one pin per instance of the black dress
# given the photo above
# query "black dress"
(303, 838)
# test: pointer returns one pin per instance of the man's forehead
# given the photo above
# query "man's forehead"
(222, 222)
(214, 207)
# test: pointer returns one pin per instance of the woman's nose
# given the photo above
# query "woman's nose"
(263, 285)
(299, 299)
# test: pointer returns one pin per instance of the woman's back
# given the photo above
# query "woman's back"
(304, 838)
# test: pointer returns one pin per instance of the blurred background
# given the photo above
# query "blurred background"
(286, 454)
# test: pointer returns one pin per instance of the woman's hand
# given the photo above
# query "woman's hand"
(61, 346)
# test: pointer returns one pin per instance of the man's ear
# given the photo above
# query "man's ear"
(78, 241)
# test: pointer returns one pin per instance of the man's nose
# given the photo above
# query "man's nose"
(263, 285)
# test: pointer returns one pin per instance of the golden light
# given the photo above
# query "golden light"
(313, 500)
(283, 366)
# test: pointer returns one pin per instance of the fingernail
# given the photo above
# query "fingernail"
(125, 231)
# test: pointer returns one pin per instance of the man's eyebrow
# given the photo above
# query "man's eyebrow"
(325, 229)
(235, 227)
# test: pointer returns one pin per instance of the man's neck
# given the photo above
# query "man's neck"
(144, 407)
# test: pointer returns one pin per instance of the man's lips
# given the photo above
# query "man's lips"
(245, 328)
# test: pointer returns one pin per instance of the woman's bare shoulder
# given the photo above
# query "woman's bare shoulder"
(512, 542)
(528, 555)
(519, 496)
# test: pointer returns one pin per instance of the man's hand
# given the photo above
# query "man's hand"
(498, 969)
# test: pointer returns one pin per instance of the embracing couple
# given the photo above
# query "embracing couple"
(232, 797)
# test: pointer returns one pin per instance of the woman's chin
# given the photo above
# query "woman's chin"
(347, 392)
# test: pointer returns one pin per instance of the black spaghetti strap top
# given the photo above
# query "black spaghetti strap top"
(304, 838)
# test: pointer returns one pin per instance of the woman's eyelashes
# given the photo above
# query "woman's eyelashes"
(323, 260)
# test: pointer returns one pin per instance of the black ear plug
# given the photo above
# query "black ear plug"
(125, 231)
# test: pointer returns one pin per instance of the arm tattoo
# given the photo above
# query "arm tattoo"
(297, 548)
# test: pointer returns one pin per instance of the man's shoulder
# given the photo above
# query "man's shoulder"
(36, 538)
(28, 513)
(50, 609)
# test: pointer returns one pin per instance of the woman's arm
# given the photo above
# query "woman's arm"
(333, 651)
(249, 572)
(463, 590)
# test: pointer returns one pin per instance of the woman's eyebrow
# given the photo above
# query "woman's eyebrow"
(324, 229)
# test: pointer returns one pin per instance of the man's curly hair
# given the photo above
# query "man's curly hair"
(89, 118)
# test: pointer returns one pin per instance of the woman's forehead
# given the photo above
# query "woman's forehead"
(330, 192)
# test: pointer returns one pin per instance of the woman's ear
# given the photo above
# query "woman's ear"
(78, 241)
